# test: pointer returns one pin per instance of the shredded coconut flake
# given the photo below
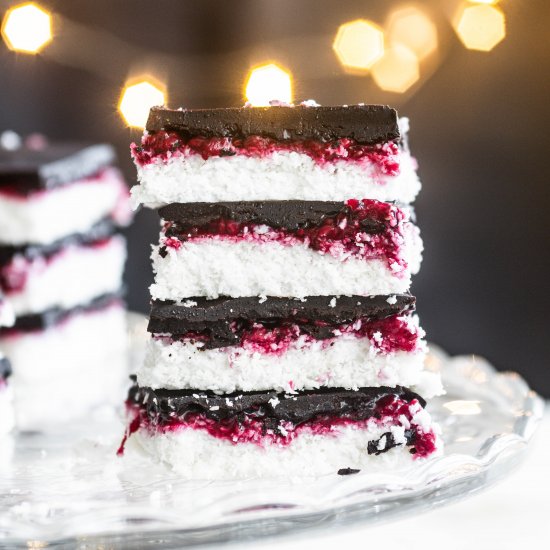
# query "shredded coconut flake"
(274, 401)
(398, 433)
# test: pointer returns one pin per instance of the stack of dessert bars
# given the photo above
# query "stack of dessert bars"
(283, 334)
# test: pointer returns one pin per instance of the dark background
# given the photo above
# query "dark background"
(479, 130)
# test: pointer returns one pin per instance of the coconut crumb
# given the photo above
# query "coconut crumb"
(274, 401)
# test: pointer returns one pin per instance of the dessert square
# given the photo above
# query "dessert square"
(274, 153)
(284, 338)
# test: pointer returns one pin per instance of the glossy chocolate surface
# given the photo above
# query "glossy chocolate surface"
(366, 124)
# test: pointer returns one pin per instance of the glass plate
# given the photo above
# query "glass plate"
(66, 488)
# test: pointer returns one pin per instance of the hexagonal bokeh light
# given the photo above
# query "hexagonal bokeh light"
(27, 28)
(398, 69)
(359, 45)
(411, 26)
(137, 99)
(268, 83)
(480, 27)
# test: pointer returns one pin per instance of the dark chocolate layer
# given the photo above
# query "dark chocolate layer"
(222, 320)
(5, 368)
(366, 124)
(57, 164)
(98, 232)
(165, 406)
(323, 308)
(54, 316)
(288, 215)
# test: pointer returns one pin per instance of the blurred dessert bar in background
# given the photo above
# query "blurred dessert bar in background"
(6, 403)
(61, 265)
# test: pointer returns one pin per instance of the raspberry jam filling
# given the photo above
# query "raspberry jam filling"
(365, 229)
(275, 337)
(165, 145)
(14, 275)
(389, 412)
(104, 175)
(56, 318)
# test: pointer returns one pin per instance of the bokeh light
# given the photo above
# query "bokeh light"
(480, 27)
(268, 83)
(27, 28)
(411, 26)
(484, 1)
(359, 45)
(398, 69)
(137, 99)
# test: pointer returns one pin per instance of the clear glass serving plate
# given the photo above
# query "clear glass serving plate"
(67, 488)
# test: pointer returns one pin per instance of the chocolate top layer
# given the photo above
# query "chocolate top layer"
(5, 367)
(57, 164)
(270, 407)
(54, 316)
(366, 124)
(288, 215)
(98, 232)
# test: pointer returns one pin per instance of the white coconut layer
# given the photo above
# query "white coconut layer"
(7, 317)
(281, 176)
(221, 267)
(7, 417)
(74, 276)
(194, 454)
(46, 216)
(342, 362)
(64, 371)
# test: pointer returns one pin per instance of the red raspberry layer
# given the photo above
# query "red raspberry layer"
(164, 145)
(389, 335)
(105, 174)
(349, 233)
(14, 275)
(390, 411)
